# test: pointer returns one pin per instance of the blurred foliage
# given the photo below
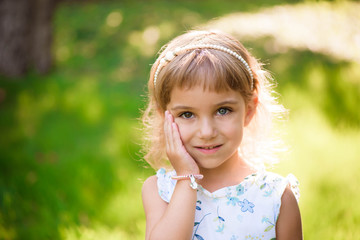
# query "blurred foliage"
(69, 147)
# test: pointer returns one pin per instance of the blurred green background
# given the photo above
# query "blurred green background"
(70, 159)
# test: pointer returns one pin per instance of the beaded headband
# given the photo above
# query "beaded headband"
(171, 55)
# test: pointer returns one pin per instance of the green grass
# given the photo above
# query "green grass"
(70, 157)
(325, 160)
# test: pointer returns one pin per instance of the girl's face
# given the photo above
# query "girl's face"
(210, 123)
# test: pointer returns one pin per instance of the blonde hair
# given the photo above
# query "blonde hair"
(216, 71)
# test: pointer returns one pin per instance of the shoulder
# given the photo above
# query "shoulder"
(160, 184)
(149, 186)
(149, 190)
(165, 184)
(150, 195)
(288, 225)
(286, 189)
(279, 184)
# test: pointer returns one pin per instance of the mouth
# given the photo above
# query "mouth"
(209, 149)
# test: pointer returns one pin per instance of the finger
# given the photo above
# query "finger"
(168, 132)
(176, 135)
(172, 140)
(178, 143)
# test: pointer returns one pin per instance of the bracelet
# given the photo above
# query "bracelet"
(183, 177)
(193, 183)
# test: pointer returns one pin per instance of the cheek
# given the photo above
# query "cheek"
(234, 130)
(185, 131)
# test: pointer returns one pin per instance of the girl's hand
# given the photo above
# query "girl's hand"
(179, 158)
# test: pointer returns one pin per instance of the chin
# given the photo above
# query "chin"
(209, 164)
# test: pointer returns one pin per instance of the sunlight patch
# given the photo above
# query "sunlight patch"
(330, 29)
(99, 232)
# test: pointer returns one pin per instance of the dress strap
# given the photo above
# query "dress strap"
(293, 183)
(165, 184)
(279, 185)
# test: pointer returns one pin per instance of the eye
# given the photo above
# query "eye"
(186, 115)
(223, 111)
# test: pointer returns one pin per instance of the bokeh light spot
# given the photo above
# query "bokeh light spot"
(114, 19)
(151, 35)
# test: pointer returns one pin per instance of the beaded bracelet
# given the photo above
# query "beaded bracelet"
(192, 177)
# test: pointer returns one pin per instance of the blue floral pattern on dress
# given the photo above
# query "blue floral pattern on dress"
(247, 206)
(221, 222)
(233, 201)
(270, 225)
(240, 190)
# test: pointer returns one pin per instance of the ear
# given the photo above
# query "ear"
(251, 109)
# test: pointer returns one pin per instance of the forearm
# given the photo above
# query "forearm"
(178, 219)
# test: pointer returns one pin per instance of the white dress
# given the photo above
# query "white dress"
(245, 211)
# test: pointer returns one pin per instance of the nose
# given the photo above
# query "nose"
(207, 128)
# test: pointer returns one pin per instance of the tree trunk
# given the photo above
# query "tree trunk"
(14, 16)
(25, 36)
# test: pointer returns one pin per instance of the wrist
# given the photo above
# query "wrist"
(194, 171)
(187, 176)
(191, 177)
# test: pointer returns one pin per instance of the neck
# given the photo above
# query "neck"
(228, 174)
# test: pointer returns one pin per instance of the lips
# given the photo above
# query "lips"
(208, 149)
(212, 147)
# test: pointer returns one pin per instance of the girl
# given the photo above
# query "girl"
(209, 116)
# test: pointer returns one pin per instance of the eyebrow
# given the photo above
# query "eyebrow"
(181, 107)
(218, 104)
(227, 102)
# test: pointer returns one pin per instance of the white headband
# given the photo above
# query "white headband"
(170, 56)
